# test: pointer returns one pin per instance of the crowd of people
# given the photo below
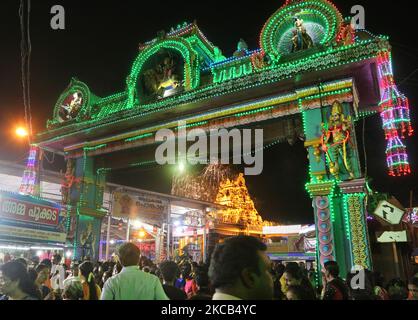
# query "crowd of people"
(239, 269)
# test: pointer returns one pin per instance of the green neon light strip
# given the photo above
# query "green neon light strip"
(348, 225)
(96, 147)
(197, 124)
(242, 114)
(276, 100)
(401, 163)
(232, 73)
(142, 136)
(326, 94)
(282, 99)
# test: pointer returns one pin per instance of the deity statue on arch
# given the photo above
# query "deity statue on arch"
(336, 141)
(301, 40)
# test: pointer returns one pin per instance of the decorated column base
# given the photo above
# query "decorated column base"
(341, 224)
(322, 194)
(356, 222)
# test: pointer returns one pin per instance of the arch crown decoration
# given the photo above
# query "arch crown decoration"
(167, 67)
(300, 25)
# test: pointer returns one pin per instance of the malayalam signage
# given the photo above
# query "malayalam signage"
(27, 218)
(145, 207)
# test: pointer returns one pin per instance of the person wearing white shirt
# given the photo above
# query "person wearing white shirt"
(74, 275)
(241, 270)
(57, 274)
(132, 283)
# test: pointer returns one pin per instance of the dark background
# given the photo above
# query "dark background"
(100, 44)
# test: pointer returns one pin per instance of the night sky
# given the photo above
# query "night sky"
(100, 44)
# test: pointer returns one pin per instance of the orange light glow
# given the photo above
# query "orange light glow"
(21, 132)
(141, 234)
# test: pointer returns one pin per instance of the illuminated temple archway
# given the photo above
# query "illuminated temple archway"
(273, 87)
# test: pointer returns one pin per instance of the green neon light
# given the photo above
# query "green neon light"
(195, 39)
(400, 163)
(232, 72)
(96, 147)
(347, 219)
(144, 163)
(283, 72)
(347, 225)
(326, 94)
(142, 136)
(191, 125)
(254, 111)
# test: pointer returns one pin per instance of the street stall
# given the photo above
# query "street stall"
(295, 243)
(161, 225)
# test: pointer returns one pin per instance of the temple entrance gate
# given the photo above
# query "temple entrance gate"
(313, 78)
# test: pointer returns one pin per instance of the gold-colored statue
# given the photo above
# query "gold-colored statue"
(336, 140)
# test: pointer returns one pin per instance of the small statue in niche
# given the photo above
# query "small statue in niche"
(71, 106)
(163, 78)
(169, 79)
(336, 141)
(301, 40)
(69, 181)
(88, 241)
(242, 49)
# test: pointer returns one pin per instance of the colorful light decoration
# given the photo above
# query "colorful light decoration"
(329, 14)
(30, 181)
(338, 44)
(394, 112)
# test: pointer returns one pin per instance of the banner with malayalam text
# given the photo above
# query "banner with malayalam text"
(28, 218)
(147, 208)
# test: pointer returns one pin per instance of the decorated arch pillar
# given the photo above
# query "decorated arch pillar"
(83, 194)
(355, 217)
(336, 183)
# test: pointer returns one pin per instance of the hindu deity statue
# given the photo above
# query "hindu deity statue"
(69, 180)
(162, 79)
(88, 241)
(242, 49)
(168, 77)
(71, 106)
(336, 141)
(301, 40)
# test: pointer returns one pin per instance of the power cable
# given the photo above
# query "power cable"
(25, 54)
(408, 77)
(28, 69)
